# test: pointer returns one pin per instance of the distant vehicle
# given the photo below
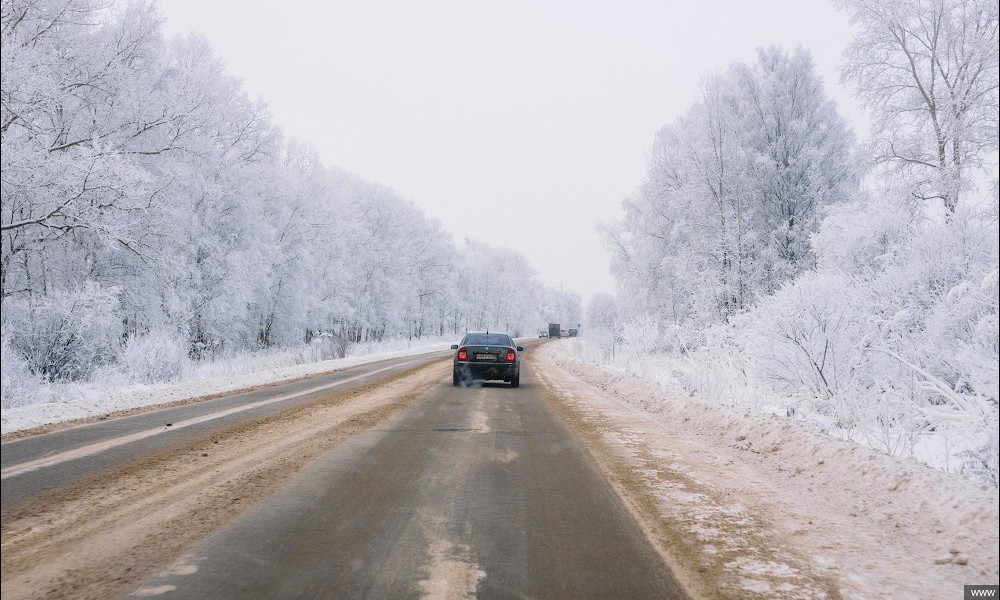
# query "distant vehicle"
(563, 333)
(573, 331)
(488, 356)
(543, 334)
(554, 330)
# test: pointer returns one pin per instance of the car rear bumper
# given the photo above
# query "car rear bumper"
(486, 371)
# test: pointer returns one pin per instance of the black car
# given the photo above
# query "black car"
(487, 356)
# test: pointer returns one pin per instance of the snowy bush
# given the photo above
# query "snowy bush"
(643, 335)
(66, 334)
(894, 338)
(17, 383)
(324, 346)
(801, 339)
(718, 373)
(156, 356)
(891, 341)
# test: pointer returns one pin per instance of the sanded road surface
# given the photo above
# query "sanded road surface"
(45, 463)
(478, 492)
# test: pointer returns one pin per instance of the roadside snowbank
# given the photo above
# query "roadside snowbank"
(761, 506)
(721, 378)
(57, 403)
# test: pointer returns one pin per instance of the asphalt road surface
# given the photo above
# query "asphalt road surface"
(467, 492)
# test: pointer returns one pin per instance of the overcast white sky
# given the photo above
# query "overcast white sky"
(518, 123)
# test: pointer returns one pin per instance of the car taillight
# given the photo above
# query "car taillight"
(511, 357)
(463, 354)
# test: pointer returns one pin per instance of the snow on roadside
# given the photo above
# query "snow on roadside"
(71, 401)
(759, 506)
(953, 447)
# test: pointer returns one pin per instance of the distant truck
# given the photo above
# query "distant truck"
(554, 330)
(573, 331)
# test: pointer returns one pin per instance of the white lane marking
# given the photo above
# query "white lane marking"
(180, 569)
(91, 449)
(149, 592)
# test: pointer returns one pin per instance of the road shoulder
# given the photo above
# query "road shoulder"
(749, 507)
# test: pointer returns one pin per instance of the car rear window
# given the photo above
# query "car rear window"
(487, 339)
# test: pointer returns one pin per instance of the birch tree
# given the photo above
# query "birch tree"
(927, 71)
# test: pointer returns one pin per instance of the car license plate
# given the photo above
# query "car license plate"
(486, 357)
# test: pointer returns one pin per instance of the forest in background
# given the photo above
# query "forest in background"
(154, 217)
(772, 261)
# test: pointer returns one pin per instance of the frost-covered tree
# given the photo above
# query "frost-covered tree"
(82, 105)
(799, 161)
(927, 72)
(501, 290)
(152, 214)
(563, 307)
(734, 189)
